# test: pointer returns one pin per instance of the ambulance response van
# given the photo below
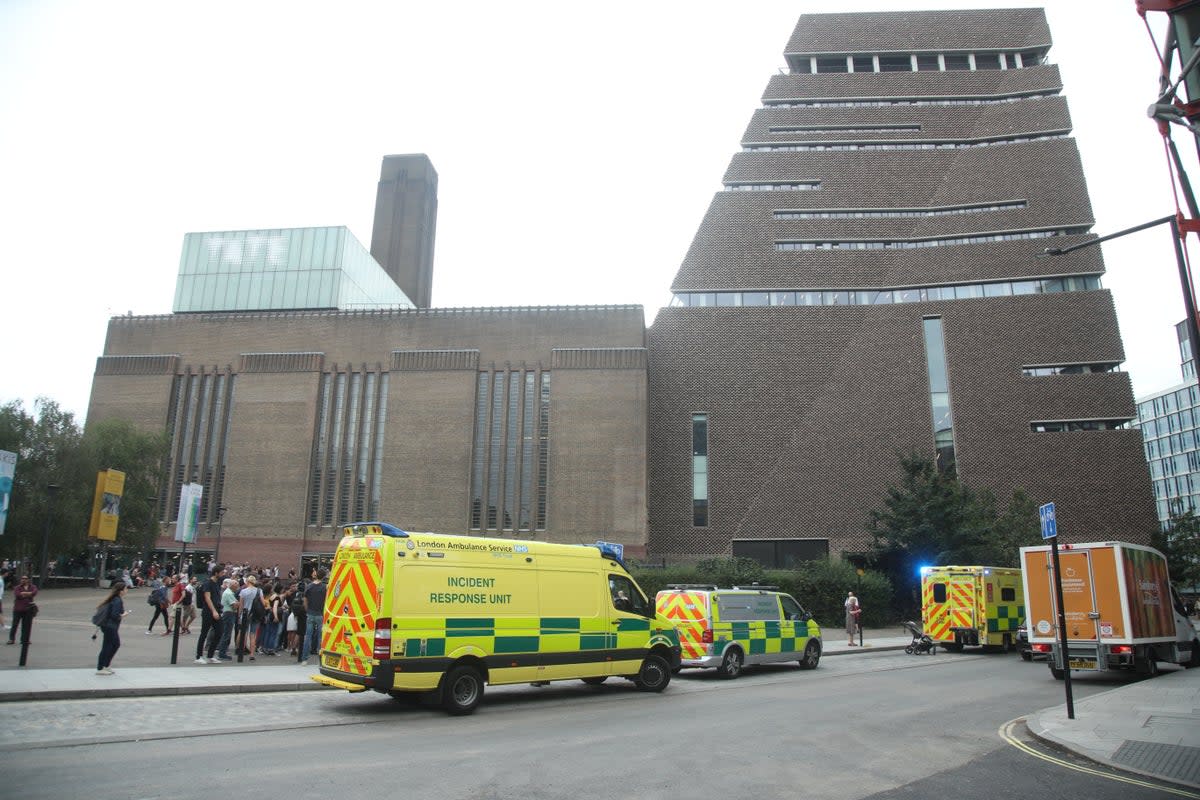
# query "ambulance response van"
(1119, 609)
(972, 606)
(442, 615)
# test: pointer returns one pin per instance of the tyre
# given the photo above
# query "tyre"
(1058, 673)
(812, 655)
(1147, 667)
(731, 664)
(654, 674)
(596, 681)
(1194, 661)
(1026, 655)
(462, 689)
(909, 650)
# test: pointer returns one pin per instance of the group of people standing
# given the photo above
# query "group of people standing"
(233, 610)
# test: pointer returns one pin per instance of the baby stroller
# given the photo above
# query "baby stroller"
(921, 643)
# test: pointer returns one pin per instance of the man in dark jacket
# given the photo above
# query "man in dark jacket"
(314, 606)
(209, 600)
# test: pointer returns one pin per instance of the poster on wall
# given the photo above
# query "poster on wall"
(106, 506)
(189, 512)
(8, 467)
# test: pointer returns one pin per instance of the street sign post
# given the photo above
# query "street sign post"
(1050, 531)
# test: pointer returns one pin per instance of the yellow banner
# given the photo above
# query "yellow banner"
(106, 507)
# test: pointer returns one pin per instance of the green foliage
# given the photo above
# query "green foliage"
(1180, 543)
(52, 450)
(932, 519)
(820, 586)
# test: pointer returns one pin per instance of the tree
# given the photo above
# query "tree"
(1180, 543)
(52, 450)
(931, 518)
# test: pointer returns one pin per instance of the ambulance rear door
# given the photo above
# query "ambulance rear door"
(352, 607)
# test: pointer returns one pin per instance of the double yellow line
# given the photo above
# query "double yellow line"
(1006, 733)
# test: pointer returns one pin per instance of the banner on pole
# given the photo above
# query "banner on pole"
(189, 512)
(8, 468)
(106, 506)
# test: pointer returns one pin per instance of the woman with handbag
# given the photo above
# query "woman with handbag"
(108, 616)
(24, 610)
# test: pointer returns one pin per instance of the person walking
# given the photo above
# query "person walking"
(110, 625)
(295, 620)
(209, 600)
(23, 609)
(187, 604)
(275, 612)
(158, 600)
(852, 612)
(314, 605)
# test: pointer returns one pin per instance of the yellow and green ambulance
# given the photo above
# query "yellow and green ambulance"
(442, 615)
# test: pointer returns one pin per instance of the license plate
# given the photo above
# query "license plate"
(331, 661)
(1082, 663)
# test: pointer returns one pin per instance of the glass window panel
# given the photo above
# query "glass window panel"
(783, 298)
(997, 289)
(864, 64)
(1026, 287)
(836, 298)
(987, 61)
(935, 354)
(1052, 285)
(832, 64)
(968, 292)
(755, 298)
(907, 295)
(808, 298)
(957, 61)
(928, 63)
(729, 298)
(895, 63)
(881, 298)
(935, 293)
(703, 299)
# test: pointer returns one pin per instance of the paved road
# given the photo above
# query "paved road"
(882, 724)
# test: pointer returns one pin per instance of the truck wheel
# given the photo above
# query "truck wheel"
(731, 664)
(1194, 661)
(1147, 667)
(462, 689)
(812, 656)
(1058, 674)
(654, 674)
(1026, 655)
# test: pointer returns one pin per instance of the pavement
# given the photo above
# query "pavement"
(1150, 727)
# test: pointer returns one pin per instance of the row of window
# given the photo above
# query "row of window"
(1187, 397)
(1174, 489)
(1172, 444)
(1070, 369)
(347, 473)
(939, 393)
(198, 418)
(1176, 422)
(1182, 464)
(878, 297)
(917, 62)
(949, 241)
(700, 470)
(776, 186)
(844, 129)
(895, 213)
(1059, 426)
(1179, 504)
(905, 101)
(770, 147)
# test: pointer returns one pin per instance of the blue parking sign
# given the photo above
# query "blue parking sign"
(1049, 523)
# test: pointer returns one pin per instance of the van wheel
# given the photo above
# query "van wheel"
(654, 674)
(1006, 644)
(1194, 661)
(462, 689)
(1026, 655)
(812, 655)
(1058, 673)
(731, 664)
(596, 681)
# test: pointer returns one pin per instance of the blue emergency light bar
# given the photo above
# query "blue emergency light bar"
(373, 529)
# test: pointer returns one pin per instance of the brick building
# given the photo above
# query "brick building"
(867, 284)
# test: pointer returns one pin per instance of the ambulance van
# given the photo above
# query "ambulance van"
(440, 616)
(972, 606)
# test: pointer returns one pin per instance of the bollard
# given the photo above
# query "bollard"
(175, 638)
(239, 637)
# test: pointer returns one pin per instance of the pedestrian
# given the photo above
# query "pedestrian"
(158, 601)
(295, 620)
(188, 604)
(314, 605)
(229, 613)
(110, 625)
(3, 578)
(270, 639)
(253, 614)
(209, 600)
(24, 609)
(852, 612)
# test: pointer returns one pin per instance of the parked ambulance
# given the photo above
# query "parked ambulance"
(1119, 609)
(972, 606)
(442, 615)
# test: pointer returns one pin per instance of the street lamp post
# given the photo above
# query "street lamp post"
(220, 520)
(51, 493)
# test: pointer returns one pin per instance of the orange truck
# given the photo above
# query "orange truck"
(1120, 609)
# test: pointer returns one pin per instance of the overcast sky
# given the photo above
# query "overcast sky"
(577, 146)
